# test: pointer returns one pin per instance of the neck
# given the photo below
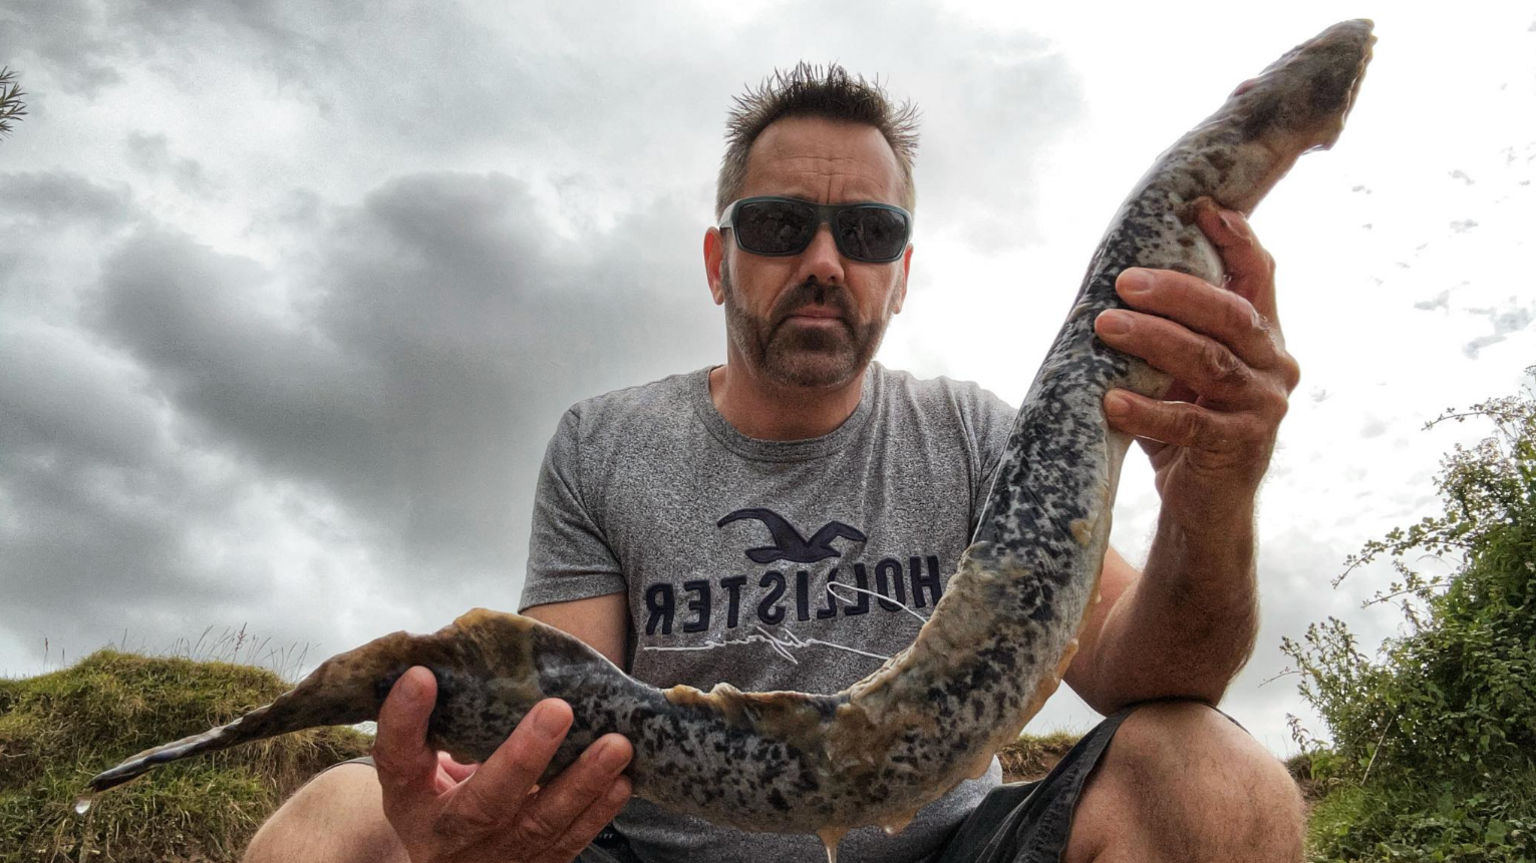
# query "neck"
(766, 410)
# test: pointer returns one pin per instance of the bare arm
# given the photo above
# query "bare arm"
(1160, 634)
(600, 621)
(1185, 625)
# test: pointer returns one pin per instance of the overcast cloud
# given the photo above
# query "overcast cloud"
(292, 296)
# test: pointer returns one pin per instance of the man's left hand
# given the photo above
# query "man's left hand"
(1213, 433)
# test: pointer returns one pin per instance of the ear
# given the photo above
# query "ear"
(714, 260)
(901, 290)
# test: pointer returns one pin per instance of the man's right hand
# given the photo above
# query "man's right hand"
(446, 812)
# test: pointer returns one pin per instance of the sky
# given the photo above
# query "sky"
(292, 295)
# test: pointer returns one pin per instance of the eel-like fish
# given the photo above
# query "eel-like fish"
(1002, 635)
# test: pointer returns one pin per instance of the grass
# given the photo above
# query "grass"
(1031, 757)
(59, 729)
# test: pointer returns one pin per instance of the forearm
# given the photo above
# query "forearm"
(1188, 624)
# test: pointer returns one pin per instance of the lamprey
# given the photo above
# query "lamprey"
(1006, 627)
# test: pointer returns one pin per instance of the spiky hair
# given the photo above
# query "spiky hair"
(815, 91)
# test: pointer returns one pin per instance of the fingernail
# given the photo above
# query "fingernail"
(1229, 222)
(1116, 404)
(412, 690)
(549, 721)
(1134, 282)
(610, 756)
(1114, 322)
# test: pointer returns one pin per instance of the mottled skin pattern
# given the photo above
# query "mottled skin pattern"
(999, 640)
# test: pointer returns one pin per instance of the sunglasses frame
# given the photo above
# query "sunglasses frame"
(824, 215)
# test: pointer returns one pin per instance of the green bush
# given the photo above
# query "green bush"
(1433, 751)
(1442, 821)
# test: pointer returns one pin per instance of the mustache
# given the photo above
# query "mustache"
(812, 293)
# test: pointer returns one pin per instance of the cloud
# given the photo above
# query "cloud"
(475, 87)
(52, 198)
(1505, 321)
(83, 45)
(434, 351)
(54, 225)
(410, 376)
(1442, 300)
(65, 37)
(96, 510)
(152, 155)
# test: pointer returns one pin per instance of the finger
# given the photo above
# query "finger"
(579, 787)
(455, 771)
(499, 788)
(1206, 309)
(1199, 362)
(1250, 269)
(1224, 439)
(593, 819)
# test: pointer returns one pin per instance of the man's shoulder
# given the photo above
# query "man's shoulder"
(941, 392)
(659, 402)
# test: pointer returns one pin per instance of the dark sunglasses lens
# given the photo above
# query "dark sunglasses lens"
(774, 227)
(871, 233)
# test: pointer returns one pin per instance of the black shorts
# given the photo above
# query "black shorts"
(1029, 822)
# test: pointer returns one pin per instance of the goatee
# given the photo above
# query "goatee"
(791, 354)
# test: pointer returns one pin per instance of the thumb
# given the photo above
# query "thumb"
(400, 751)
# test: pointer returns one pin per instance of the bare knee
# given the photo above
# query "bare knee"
(338, 816)
(1181, 778)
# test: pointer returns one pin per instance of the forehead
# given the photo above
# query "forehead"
(830, 161)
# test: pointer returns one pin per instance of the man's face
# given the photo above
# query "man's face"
(814, 319)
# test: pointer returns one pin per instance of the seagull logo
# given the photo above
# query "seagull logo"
(788, 544)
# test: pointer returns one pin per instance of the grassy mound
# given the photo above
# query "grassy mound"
(1031, 757)
(57, 730)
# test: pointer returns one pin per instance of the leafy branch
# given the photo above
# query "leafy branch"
(11, 106)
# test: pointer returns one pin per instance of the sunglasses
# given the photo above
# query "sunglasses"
(774, 226)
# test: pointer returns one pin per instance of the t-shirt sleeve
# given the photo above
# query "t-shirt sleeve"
(568, 556)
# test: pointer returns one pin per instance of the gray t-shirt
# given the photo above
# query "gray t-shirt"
(726, 546)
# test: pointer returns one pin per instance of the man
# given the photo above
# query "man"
(671, 526)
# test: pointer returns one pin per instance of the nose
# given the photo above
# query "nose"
(821, 259)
